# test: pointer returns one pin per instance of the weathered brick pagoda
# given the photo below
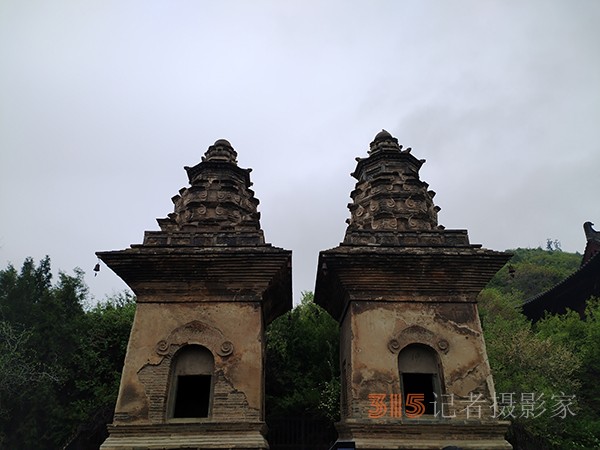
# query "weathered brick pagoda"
(415, 373)
(207, 284)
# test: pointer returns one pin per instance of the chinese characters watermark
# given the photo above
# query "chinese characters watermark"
(507, 405)
(529, 405)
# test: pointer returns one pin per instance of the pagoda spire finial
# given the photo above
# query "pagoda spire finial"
(384, 141)
(222, 151)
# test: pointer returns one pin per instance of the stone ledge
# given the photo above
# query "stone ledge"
(480, 435)
(188, 436)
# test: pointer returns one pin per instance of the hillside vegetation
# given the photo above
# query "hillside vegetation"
(534, 271)
(552, 367)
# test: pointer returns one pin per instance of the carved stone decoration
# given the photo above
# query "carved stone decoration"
(443, 345)
(226, 349)
(199, 333)
(416, 334)
(162, 347)
(394, 345)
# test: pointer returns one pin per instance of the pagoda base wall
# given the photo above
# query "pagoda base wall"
(232, 332)
(197, 436)
(480, 435)
(374, 333)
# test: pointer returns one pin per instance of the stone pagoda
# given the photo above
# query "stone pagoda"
(414, 368)
(207, 284)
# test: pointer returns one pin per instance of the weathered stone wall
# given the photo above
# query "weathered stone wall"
(232, 332)
(374, 333)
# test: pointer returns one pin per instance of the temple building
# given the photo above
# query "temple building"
(574, 291)
(414, 368)
(207, 285)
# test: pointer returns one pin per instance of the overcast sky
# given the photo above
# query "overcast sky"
(103, 102)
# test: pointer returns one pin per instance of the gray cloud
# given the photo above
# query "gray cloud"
(103, 103)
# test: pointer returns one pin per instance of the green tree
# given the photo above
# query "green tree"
(581, 337)
(302, 371)
(71, 357)
(525, 362)
(18, 370)
(98, 360)
(29, 301)
(557, 355)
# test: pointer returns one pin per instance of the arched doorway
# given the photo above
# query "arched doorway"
(191, 383)
(420, 378)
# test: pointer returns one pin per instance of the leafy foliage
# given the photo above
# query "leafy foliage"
(582, 338)
(302, 371)
(535, 271)
(524, 362)
(58, 363)
(556, 356)
(18, 370)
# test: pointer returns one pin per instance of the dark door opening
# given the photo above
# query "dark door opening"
(420, 383)
(193, 396)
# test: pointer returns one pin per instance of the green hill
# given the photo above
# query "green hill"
(534, 271)
(546, 366)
